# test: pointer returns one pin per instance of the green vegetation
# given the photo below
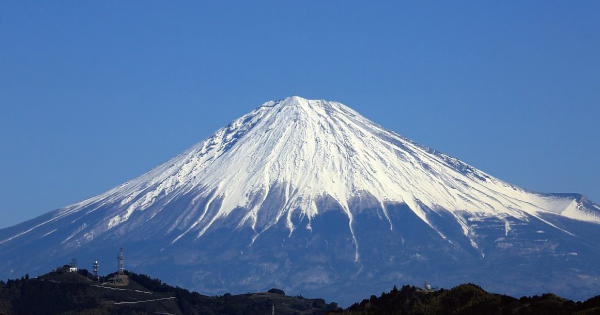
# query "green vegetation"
(62, 292)
(76, 293)
(467, 299)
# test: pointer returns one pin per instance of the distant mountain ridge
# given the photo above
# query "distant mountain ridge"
(308, 195)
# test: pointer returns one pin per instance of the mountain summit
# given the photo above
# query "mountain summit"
(310, 196)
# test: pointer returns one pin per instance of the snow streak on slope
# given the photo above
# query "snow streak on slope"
(315, 149)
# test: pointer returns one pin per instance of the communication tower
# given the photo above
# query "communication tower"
(96, 265)
(120, 260)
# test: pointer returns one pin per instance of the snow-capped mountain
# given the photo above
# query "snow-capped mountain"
(310, 196)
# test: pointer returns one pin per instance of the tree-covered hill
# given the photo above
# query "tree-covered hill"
(62, 292)
(468, 299)
(77, 293)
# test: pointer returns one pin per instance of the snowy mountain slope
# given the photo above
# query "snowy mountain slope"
(285, 166)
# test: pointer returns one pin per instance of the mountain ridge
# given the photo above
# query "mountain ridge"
(276, 181)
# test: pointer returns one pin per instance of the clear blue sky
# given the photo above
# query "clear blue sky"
(94, 93)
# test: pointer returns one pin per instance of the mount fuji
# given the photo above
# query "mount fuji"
(311, 197)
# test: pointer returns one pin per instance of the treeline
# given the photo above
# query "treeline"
(76, 293)
(468, 299)
(61, 292)
(27, 296)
